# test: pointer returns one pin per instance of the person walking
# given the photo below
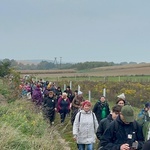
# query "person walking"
(76, 105)
(124, 133)
(101, 109)
(144, 120)
(85, 127)
(105, 123)
(63, 107)
(50, 106)
(37, 95)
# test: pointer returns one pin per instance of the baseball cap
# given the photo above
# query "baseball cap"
(128, 113)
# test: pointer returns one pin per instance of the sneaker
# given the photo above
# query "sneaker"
(52, 123)
(62, 123)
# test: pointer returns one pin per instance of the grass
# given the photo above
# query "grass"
(22, 127)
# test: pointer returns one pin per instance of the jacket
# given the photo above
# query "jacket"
(125, 133)
(85, 127)
(98, 108)
(103, 125)
(50, 102)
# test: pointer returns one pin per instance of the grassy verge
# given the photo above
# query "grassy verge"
(23, 128)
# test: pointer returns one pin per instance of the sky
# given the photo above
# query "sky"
(75, 30)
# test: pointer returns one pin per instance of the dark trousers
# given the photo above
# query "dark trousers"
(50, 113)
(63, 114)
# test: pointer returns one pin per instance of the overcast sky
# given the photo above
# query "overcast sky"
(76, 30)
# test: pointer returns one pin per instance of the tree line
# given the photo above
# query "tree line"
(6, 64)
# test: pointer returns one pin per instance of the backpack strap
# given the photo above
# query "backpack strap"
(135, 126)
(79, 116)
(93, 120)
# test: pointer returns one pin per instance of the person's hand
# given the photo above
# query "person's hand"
(75, 137)
(125, 147)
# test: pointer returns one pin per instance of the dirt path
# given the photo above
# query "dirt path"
(62, 141)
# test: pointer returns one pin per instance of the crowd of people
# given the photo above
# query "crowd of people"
(115, 128)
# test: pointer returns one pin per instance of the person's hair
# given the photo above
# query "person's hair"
(86, 102)
(119, 99)
(64, 93)
(116, 108)
(51, 92)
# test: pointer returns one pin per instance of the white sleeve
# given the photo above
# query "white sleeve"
(76, 124)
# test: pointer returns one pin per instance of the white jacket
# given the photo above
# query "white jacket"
(85, 127)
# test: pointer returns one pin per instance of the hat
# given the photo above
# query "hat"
(86, 102)
(127, 113)
(147, 105)
(79, 92)
(121, 96)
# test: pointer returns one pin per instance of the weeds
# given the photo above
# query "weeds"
(21, 128)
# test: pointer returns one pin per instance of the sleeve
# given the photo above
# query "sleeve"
(140, 137)
(68, 103)
(76, 125)
(141, 118)
(44, 101)
(58, 104)
(55, 103)
(95, 108)
(73, 102)
(95, 123)
(100, 130)
(108, 109)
